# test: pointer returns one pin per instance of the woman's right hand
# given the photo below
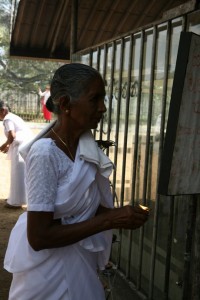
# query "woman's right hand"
(4, 148)
(128, 217)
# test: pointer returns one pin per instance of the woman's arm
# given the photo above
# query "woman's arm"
(44, 232)
(42, 172)
(10, 138)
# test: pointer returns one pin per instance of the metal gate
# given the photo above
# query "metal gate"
(138, 69)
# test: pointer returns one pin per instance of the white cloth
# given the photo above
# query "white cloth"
(12, 122)
(76, 190)
(94, 154)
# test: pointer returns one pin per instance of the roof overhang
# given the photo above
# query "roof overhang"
(54, 29)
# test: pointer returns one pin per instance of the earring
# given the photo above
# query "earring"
(67, 111)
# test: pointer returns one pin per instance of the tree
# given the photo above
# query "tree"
(15, 74)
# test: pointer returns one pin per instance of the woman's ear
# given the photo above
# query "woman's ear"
(64, 104)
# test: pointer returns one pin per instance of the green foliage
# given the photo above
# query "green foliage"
(24, 75)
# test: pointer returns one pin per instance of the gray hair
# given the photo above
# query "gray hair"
(71, 80)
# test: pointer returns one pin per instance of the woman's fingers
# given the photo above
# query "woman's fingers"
(130, 217)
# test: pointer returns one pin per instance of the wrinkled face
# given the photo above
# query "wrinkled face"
(88, 110)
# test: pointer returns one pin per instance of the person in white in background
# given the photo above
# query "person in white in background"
(17, 133)
(45, 95)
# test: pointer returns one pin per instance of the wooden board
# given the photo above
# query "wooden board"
(180, 164)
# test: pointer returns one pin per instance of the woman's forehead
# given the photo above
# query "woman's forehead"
(96, 87)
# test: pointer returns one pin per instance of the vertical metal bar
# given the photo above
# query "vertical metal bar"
(137, 123)
(118, 112)
(141, 236)
(98, 58)
(105, 62)
(126, 130)
(98, 66)
(126, 124)
(103, 75)
(149, 184)
(90, 57)
(169, 247)
(126, 121)
(74, 23)
(137, 190)
(157, 200)
(117, 132)
(136, 142)
(184, 23)
(90, 62)
(149, 115)
(111, 90)
(195, 291)
(190, 230)
(110, 96)
(171, 199)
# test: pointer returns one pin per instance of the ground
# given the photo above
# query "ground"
(8, 218)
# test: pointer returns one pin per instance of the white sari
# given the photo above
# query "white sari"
(17, 195)
(69, 272)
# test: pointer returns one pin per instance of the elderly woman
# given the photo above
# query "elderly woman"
(17, 133)
(56, 247)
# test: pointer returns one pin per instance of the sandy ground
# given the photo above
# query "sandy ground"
(8, 218)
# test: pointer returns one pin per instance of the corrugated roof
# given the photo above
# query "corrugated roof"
(51, 29)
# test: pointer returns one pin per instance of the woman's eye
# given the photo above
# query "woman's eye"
(97, 98)
(94, 99)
